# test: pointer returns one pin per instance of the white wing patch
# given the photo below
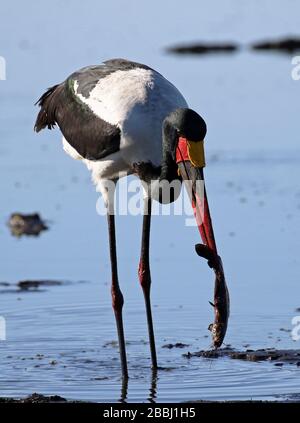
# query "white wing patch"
(114, 96)
(137, 101)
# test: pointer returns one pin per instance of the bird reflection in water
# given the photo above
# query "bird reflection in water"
(152, 390)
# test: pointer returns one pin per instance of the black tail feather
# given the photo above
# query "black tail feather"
(48, 104)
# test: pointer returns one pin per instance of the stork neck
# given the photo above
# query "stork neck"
(168, 164)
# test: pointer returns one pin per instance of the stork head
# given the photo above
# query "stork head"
(187, 123)
(184, 131)
(183, 135)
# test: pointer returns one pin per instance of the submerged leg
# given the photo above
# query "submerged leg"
(117, 297)
(145, 277)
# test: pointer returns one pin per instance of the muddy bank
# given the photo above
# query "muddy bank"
(284, 45)
(203, 48)
(27, 286)
(177, 345)
(278, 357)
(34, 398)
(292, 399)
(39, 398)
(35, 284)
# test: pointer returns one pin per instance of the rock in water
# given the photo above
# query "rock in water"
(26, 224)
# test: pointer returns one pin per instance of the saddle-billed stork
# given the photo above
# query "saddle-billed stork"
(123, 118)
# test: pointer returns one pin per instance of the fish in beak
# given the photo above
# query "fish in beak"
(190, 160)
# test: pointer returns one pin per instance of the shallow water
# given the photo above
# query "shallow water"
(72, 325)
(250, 104)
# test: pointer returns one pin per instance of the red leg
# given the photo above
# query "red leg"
(117, 297)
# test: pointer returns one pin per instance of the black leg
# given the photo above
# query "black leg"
(153, 388)
(124, 390)
(117, 297)
(145, 277)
